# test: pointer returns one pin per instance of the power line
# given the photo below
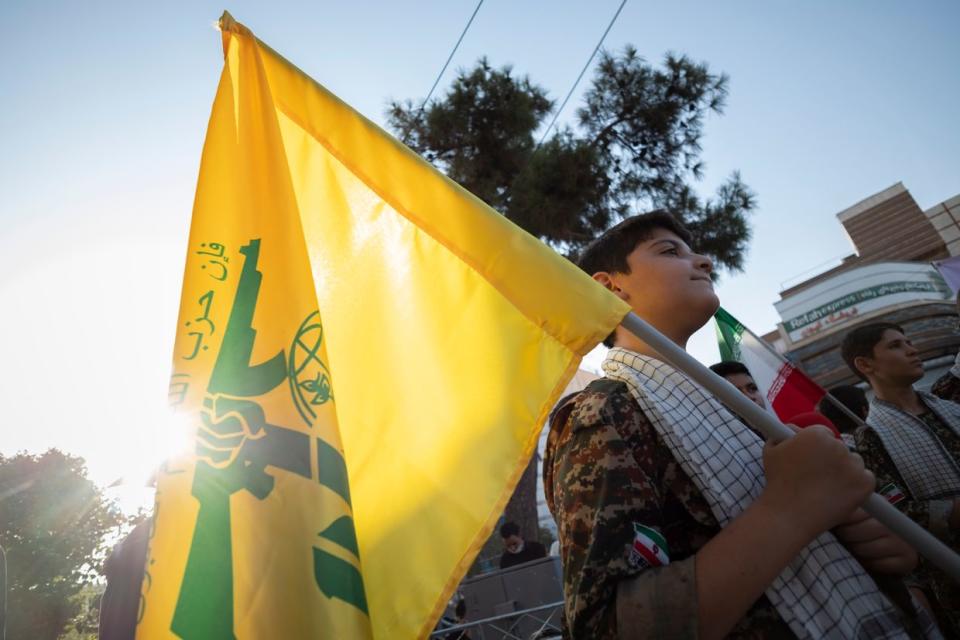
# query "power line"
(450, 57)
(580, 77)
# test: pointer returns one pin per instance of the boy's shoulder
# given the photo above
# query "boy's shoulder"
(947, 387)
(601, 418)
(604, 402)
(868, 444)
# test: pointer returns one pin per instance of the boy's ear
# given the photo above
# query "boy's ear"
(606, 280)
(864, 365)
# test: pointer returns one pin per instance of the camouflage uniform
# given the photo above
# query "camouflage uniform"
(947, 386)
(943, 592)
(605, 470)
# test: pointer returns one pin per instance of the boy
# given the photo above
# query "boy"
(948, 385)
(668, 527)
(851, 397)
(516, 550)
(737, 374)
(912, 440)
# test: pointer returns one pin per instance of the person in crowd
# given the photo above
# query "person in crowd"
(674, 519)
(737, 374)
(947, 386)
(855, 400)
(516, 550)
(124, 569)
(912, 441)
(454, 618)
(850, 396)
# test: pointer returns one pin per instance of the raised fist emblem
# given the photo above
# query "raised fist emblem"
(229, 427)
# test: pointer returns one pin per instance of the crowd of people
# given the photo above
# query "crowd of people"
(676, 520)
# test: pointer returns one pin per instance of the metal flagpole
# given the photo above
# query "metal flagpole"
(772, 429)
(3, 593)
(844, 409)
(832, 398)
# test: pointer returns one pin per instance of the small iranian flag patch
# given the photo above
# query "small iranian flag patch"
(649, 548)
(892, 493)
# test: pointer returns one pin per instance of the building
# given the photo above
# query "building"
(888, 278)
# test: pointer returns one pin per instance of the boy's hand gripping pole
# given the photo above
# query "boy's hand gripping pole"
(772, 429)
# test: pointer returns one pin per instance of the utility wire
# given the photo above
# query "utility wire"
(450, 57)
(580, 77)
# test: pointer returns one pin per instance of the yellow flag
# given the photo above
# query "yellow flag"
(335, 278)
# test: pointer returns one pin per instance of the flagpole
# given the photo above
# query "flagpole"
(774, 430)
(3, 593)
(829, 396)
(844, 409)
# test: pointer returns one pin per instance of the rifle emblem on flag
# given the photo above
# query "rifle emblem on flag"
(235, 444)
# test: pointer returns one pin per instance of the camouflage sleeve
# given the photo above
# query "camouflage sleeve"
(601, 495)
(932, 515)
(662, 602)
(948, 385)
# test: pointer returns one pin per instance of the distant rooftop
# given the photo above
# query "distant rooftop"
(886, 226)
(871, 201)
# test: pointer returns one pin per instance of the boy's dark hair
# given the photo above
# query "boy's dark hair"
(508, 529)
(860, 342)
(853, 398)
(729, 367)
(609, 251)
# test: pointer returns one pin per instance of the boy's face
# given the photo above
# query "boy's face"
(513, 544)
(668, 285)
(746, 385)
(895, 360)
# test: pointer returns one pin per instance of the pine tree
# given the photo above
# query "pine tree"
(636, 145)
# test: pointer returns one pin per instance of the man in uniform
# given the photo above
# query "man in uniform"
(912, 441)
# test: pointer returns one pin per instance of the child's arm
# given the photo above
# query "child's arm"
(813, 483)
(603, 485)
(601, 476)
(876, 547)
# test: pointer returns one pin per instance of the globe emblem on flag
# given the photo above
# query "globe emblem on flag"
(308, 375)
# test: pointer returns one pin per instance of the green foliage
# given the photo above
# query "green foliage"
(636, 146)
(53, 527)
(561, 194)
(85, 624)
(481, 133)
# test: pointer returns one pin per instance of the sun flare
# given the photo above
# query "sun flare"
(170, 436)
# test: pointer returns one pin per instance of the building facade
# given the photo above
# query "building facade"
(888, 278)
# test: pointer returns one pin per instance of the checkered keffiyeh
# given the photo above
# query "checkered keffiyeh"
(823, 592)
(926, 467)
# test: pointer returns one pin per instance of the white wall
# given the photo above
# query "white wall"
(859, 292)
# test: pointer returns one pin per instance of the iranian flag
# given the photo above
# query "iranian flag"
(649, 547)
(788, 390)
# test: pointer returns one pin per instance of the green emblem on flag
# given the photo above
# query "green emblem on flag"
(309, 376)
(235, 444)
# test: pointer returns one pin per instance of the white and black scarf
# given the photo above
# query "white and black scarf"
(824, 592)
(925, 465)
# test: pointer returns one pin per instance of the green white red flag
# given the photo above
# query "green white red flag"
(649, 547)
(787, 389)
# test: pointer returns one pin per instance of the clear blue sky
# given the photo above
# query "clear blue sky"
(104, 106)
